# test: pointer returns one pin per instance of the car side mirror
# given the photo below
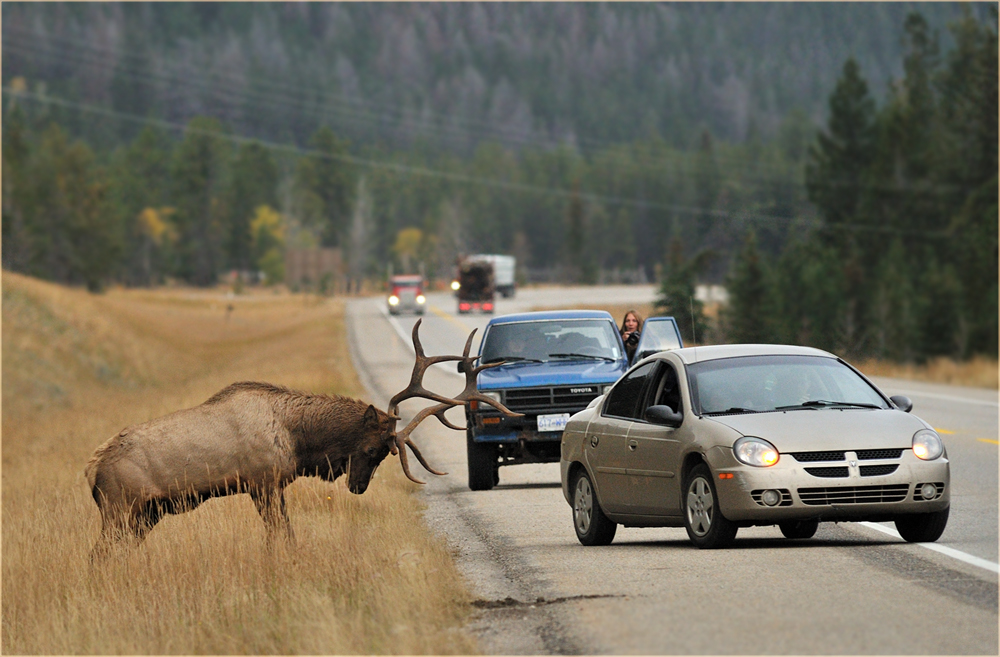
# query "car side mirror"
(663, 414)
(902, 402)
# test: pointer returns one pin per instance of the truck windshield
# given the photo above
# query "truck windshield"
(540, 341)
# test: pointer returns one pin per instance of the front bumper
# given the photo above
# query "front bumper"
(852, 497)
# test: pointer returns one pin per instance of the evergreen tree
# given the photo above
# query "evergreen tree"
(253, 182)
(677, 292)
(325, 181)
(575, 234)
(197, 175)
(753, 314)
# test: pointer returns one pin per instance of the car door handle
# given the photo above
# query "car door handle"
(633, 445)
(594, 440)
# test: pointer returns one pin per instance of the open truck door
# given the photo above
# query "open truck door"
(658, 334)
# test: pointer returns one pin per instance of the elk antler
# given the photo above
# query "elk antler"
(416, 389)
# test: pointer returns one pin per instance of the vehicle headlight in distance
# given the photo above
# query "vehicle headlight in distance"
(755, 451)
(927, 445)
(495, 396)
(455, 285)
(393, 300)
(421, 298)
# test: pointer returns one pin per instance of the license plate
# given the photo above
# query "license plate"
(553, 422)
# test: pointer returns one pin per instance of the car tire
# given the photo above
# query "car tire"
(706, 526)
(922, 527)
(591, 525)
(482, 459)
(799, 528)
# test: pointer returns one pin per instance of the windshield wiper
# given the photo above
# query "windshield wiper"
(823, 403)
(511, 359)
(587, 356)
(733, 410)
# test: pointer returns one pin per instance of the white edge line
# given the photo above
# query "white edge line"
(401, 332)
(947, 551)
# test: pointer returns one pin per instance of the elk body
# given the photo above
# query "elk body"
(256, 438)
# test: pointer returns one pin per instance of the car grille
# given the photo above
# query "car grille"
(878, 470)
(809, 457)
(853, 494)
(863, 455)
(836, 471)
(871, 454)
(568, 397)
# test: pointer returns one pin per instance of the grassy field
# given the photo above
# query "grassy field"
(364, 576)
(980, 372)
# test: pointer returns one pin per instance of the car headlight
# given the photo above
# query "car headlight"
(421, 298)
(455, 285)
(393, 300)
(605, 390)
(755, 451)
(927, 445)
(495, 396)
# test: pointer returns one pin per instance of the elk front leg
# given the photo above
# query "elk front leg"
(271, 506)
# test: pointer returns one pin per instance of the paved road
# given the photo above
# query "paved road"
(853, 589)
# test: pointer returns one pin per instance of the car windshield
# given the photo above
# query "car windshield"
(754, 384)
(545, 340)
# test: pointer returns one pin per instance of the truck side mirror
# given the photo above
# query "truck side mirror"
(461, 367)
(663, 414)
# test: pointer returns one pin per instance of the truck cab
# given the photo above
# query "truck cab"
(406, 294)
(554, 364)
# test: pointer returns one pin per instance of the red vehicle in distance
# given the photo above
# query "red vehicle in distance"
(406, 295)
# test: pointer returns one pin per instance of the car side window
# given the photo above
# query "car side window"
(666, 391)
(623, 401)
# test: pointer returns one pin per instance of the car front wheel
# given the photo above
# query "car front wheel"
(592, 526)
(706, 526)
(799, 528)
(922, 527)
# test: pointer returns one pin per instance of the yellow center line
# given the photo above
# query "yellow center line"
(944, 431)
(988, 440)
(451, 318)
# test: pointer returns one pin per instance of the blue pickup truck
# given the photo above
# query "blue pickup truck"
(555, 364)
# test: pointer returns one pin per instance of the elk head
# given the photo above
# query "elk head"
(396, 442)
(369, 452)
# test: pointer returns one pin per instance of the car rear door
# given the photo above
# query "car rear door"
(605, 446)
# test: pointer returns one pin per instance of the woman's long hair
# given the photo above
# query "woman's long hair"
(638, 319)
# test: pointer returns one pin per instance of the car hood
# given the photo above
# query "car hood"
(552, 373)
(827, 429)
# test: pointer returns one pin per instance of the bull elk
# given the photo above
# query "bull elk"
(257, 438)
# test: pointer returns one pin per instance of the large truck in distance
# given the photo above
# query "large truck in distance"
(475, 286)
(503, 272)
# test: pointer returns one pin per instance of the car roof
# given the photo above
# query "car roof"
(545, 315)
(691, 355)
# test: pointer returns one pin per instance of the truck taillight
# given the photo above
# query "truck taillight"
(487, 306)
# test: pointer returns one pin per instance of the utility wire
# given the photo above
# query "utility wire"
(404, 169)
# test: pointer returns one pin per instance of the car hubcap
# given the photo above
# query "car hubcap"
(583, 506)
(700, 506)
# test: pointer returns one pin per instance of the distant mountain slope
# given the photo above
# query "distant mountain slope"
(453, 74)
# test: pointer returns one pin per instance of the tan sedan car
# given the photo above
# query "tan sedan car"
(721, 437)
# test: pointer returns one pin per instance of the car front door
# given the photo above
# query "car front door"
(606, 447)
(653, 450)
(658, 334)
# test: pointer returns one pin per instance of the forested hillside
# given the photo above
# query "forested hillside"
(833, 163)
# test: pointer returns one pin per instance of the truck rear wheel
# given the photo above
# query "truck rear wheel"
(482, 458)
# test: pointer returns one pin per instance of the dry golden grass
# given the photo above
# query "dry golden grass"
(980, 372)
(364, 575)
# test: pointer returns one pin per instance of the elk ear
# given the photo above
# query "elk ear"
(371, 418)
